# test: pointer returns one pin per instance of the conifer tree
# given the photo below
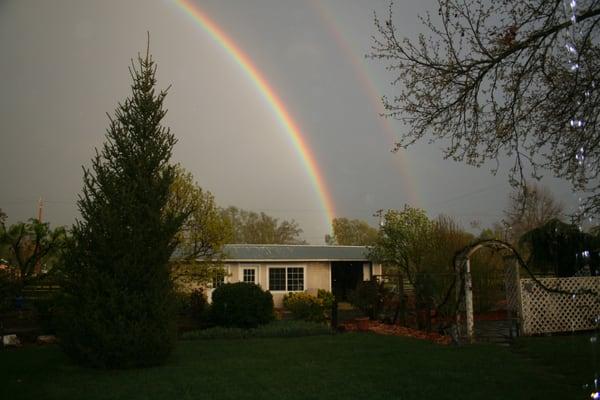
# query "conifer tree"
(118, 309)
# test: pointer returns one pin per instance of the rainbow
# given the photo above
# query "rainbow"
(283, 115)
(368, 87)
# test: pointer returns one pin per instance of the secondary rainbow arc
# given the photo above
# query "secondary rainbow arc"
(366, 83)
(283, 115)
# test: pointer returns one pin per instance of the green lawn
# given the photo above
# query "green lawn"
(573, 356)
(348, 366)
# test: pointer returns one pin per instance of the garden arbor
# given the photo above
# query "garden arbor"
(464, 283)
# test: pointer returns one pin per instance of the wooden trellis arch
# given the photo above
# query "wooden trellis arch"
(464, 283)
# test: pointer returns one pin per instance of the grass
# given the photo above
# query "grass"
(288, 328)
(348, 366)
(573, 356)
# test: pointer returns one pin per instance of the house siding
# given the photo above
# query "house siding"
(317, 275)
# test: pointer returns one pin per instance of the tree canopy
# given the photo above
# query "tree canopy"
(530, 210)
(31, 247)
(405, 241)
(205, 230)
(495, 79)
(202, 235)
(351, 232)
(562, 249)
(260, 228)
(3, 217)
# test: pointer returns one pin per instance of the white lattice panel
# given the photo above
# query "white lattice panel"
(545, 312)
(511, 283)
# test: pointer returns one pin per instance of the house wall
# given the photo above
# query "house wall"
(377, 269)
(316, 276)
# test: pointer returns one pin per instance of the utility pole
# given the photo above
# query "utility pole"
(40, 209)
(379, 213)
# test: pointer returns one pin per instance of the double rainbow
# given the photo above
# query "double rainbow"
(278, 107)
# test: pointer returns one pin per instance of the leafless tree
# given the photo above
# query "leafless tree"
(495, 79)
(540, 206)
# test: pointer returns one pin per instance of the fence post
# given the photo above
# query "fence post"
(457, 288)
(469, 300)
(520, 317)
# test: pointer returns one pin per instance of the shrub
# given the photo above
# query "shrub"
(199, 307)
(45, 308)
(182, 303)
(304, 306)
(243, 305)
(327, 298)
(272, 329)
(368, 297)
(8, 290)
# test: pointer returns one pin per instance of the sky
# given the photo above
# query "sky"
(64, 66)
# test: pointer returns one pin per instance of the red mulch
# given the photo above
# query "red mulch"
(497, 315)
(397, 330)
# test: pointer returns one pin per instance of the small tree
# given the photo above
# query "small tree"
(31, 248)
(530, 209)
(118, 308)
(202, 235)
(405, 242)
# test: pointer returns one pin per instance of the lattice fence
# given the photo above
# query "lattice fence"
(511, 283)
(545, 312)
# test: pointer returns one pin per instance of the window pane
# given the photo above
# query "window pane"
(277, 279)
(218, 280)
(250, 276)
(295, 279)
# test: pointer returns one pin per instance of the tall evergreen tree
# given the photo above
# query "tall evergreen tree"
(118, 310)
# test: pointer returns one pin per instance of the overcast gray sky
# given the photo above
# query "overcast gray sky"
(64, 66)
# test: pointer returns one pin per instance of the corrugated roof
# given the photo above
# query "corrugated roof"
(277, 252)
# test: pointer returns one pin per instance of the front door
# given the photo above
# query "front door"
(345, 276)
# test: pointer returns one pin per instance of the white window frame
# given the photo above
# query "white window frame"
(286, 266)
(243, 267)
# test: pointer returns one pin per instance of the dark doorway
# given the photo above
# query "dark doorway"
(345, 276)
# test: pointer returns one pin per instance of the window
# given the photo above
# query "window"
(249, 275)
(289, 279)
(276, 278)
(218, 280)
(295, 279)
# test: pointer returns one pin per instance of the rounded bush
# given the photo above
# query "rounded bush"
(244, 305)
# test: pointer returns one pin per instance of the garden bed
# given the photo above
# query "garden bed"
(395, 330)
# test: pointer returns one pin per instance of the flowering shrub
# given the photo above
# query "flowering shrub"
(304, 306)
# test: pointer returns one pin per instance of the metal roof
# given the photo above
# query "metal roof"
(278, 252)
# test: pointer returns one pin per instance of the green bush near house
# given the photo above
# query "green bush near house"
(368, 297)
(199, 307)
(242, 305)
(306, 307)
